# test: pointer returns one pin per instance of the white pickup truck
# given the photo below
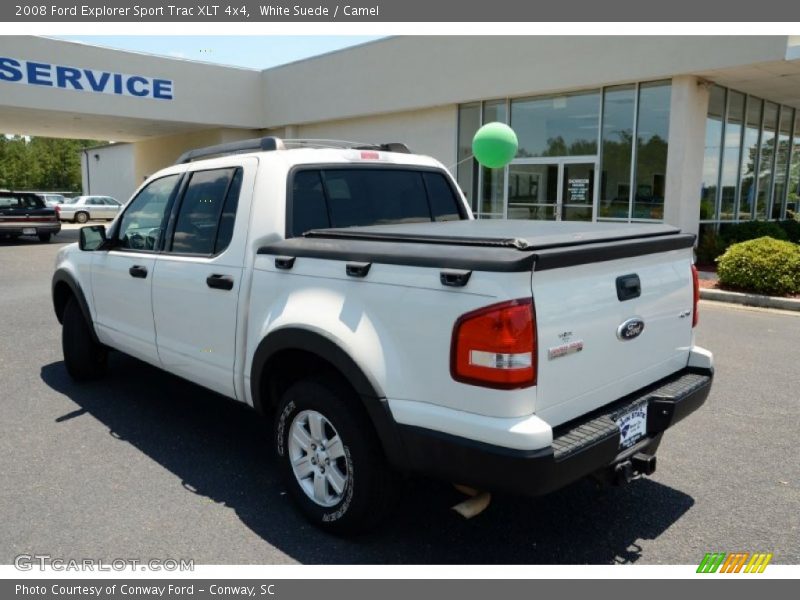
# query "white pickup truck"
(349, 293)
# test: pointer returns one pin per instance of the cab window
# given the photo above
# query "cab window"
(142, 224)
(207, 211)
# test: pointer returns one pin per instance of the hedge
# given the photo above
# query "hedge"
(764, 266)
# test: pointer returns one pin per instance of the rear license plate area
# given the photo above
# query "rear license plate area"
(632, 423)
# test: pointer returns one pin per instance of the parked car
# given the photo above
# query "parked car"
(51, 200)
(81, 209)
(349, 294)
(23, 213)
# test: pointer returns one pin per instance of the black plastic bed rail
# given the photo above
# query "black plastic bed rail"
(475, 254)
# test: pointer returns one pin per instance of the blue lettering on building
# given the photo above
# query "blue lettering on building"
(86, 80)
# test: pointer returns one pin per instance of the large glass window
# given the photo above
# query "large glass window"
(651, 150)
(564, 125)
(766, 157)
(793, 196)
(749, 157)
(712, 153)
(492, 179)
(782, 161)
(469, 120)
(732, 152)
(618, 115)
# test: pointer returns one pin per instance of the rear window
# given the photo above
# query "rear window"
(332, 197)
(21, 201)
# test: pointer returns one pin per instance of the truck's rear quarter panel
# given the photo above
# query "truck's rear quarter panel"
(397, 323)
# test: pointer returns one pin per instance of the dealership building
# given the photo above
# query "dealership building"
(694, 131)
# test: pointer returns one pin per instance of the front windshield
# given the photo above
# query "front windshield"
(71, 200)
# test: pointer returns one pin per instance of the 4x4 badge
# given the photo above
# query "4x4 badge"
(630, 329)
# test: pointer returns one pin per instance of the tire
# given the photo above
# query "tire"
(81, 217)
(45, 237)
(84, 358)
(357, 460)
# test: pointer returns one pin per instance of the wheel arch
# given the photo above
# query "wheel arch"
(275, 365)
(64, 287)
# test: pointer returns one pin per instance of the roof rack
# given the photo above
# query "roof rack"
(271, 143)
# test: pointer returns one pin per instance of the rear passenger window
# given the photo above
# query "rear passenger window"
(201, 212)
(225, 233)
(369, 196)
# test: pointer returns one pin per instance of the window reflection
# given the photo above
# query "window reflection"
(793, 196)
(618, 109)
(651, 150)
(782, 161)
(711, 155)
(564, 125)
(492, 179)
(729, 180)
(766, 156)
(749, 157)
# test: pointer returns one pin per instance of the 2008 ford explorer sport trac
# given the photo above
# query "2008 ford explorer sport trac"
(347, 292)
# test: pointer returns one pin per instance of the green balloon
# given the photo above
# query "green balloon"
(495, 145)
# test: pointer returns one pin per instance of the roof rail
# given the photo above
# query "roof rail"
(263, 144)
(270, 143)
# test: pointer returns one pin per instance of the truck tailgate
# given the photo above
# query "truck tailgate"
(593, 346)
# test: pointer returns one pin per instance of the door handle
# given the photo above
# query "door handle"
(628, 287)
(138, 271)
(219, 282)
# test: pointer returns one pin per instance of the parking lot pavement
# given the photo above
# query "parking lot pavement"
(145, 465)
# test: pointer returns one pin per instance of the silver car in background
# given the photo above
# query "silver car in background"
(84, 208)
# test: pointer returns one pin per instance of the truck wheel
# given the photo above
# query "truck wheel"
(330, 457)
(81, 217)
(84, 358)
(44, 237)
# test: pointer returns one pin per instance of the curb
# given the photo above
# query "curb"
(750, 299)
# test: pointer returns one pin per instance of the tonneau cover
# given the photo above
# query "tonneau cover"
(519, 234)
(496, 245)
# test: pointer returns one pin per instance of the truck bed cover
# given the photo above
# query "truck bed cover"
(486, 245)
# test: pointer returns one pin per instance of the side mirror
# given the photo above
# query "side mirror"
(92, 238)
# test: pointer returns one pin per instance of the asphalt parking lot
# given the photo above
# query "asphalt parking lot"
(145, 465)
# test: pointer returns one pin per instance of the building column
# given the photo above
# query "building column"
(687, 139)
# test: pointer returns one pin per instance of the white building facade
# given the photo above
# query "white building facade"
(694, 131)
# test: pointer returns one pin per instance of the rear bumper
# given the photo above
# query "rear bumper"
(18, 228)
(580, 447)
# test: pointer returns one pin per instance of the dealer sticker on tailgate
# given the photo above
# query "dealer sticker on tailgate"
(632, 425)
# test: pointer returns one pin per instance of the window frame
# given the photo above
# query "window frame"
(166, 246)
(288, 234)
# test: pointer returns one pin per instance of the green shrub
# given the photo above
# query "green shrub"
(709, 247)
(792, 229)
(763, 266)
(751, 230)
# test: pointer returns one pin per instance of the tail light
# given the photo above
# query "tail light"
(58, 208)
(696, 284)
(495, 346)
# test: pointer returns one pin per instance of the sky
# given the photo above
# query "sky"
(255, 52)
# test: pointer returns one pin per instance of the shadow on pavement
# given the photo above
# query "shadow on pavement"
(221, 450)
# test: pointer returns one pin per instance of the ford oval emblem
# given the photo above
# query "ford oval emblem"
(630, 329)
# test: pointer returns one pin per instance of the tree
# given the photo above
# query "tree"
(42, 164)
